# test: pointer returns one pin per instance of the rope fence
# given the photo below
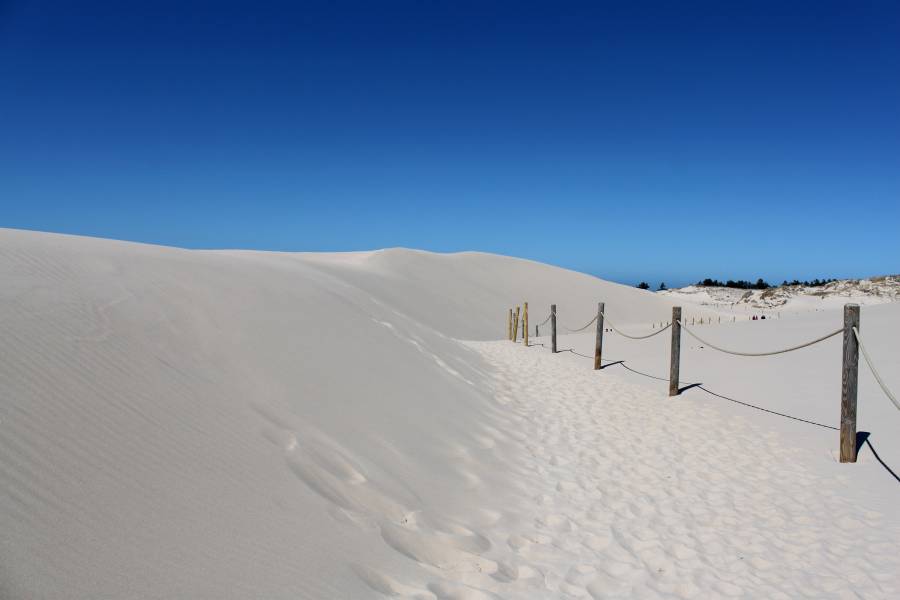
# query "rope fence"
(852, 345)
(875, 373)
(634, 337)
(591, 322)
(772, 353)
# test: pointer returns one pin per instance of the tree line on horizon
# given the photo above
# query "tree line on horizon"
(740, 284)
(761, 284)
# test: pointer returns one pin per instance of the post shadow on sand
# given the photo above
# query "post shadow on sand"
(862, 437)
(572, 351)
(689, 386)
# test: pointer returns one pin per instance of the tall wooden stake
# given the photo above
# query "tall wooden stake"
(848, 384)
(516, 325)
(598, 342)
(525, 325)
(676, 351)
(553, 328)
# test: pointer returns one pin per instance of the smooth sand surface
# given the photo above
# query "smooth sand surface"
(231, 424)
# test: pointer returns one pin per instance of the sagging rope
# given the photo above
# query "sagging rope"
(541, 324)
(580, 328)
(633, 337)
(865, 353)
(736, 353)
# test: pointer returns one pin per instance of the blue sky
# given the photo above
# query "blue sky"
(668, 141)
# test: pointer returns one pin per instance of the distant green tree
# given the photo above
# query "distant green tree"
(710, 283)
(644, 285)
(662, 286)
(761, 284)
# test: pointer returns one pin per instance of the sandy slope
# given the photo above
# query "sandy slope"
(213, 424)
(178, 424)
(466, 295)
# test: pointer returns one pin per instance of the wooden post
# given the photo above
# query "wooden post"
(516, 325)
(553, 328)
(676, 351)
(598, 343)
(537, 331)
(848, 384)
(509, 326)
(525, 325)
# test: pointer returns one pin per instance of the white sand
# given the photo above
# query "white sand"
(178, 424)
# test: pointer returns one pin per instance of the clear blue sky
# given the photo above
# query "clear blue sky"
(667, 141)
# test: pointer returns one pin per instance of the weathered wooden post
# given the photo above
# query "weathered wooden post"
(598, 342)
(516, 325)
(676, 351)
(509, 326)
(848, 384)
(525, 325)
(553, 328)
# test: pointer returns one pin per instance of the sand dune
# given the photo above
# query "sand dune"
(231, 424)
